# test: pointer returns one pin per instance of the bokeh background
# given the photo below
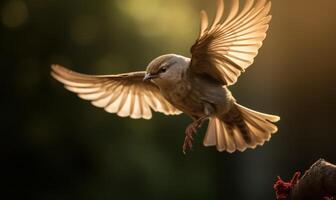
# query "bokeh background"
(56, 146)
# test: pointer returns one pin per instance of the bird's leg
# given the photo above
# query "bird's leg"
(190, 130)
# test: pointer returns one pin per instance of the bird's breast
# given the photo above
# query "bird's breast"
(184, 97)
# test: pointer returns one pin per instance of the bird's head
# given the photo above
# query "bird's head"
(167, 69)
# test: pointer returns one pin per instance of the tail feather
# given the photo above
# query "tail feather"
(230, 143)
(225, 139)
(240, 129)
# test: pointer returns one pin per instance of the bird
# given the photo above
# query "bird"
(197, 86)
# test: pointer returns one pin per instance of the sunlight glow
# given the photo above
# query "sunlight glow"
(14, 13)
(172, 22)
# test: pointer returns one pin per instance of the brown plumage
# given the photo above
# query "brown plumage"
(173, 84)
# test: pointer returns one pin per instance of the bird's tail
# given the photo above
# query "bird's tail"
(239, 129)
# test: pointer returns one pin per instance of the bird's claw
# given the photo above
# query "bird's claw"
(191, 129)
(187, 144)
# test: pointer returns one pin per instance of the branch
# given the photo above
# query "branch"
(318, 183)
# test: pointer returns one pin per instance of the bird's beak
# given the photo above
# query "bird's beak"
(149, 76)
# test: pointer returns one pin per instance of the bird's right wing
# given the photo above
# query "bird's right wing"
(125, 94)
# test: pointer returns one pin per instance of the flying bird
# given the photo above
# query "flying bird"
(197, 86)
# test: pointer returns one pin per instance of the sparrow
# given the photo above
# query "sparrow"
(198, 86)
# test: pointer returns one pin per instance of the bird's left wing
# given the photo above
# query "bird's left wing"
(226, 48)
(125, 94)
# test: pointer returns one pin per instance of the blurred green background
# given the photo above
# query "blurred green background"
(56, 146)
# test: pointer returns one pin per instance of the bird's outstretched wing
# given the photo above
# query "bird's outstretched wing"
(226, 48)
(125, 94)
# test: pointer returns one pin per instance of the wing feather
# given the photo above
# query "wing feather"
(224, 50)
(219, 13)
(233, 11)
(204, 23)
(124, 94)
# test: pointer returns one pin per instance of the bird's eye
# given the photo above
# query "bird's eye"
(163, 70)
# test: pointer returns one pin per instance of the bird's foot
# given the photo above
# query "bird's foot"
(188, 140)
